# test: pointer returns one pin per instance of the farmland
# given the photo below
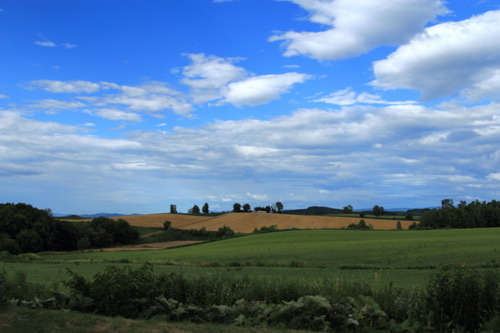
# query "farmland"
(247, 222)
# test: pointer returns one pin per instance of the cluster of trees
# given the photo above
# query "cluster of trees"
(377, 210)
(24, 228)
(193, 210)
(473, 215)
(277, 207)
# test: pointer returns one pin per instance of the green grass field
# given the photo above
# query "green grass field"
(327, 248)
(322, 252)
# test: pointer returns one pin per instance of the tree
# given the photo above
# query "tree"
(376, 211)
(399, 226)
(196, 209)
(236, 208)
(173, 209)
(347, 209)
(268, 209)
(382, 211)
(247, 208)
(279, 205)
(409, 216)
(167, 225)
(273, 208)
(447, 203)
(205, 208)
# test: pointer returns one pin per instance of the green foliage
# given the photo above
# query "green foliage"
(264, 229)
(205, 208)
(409, 216)
(167, 225)
(236, 208)
(315, 210)
(347, 209)
(360, 226)
(279, 206)
(377, 210)
(173, 209)
(247, 208)
(362, 214)
(461, 297)
(474, 215)
(399, 226)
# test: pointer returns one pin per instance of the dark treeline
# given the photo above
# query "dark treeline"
(24, 229)
(474, 215)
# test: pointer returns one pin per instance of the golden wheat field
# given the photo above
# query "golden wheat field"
(156, 220)
(247, 222)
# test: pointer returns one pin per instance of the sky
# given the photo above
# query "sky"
(131, 106)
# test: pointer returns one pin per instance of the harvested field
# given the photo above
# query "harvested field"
(247, 222)
(156, 220)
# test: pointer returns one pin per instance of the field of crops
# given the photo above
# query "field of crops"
(327, 248)
(180, 221)
(247, 222)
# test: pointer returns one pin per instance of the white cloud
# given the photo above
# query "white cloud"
(69, 46)
(3, 96)
(115, 114)
(348, 97)
(261, 89)
(207, 74)
(163, 124)
(358, 26)
(46, 43)
(64, 86)
(88, 124)
(56, 104)
(447, 58)
(494, 176)
(258, 197)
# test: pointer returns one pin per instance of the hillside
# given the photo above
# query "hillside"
(247, 222)
(156, 220)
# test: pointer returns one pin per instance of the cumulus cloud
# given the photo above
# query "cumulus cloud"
(64, 86)
(115, 114)
(69, 46)
(349, 97)
(447, 58)
(357, 27)
(207, 74)
(261, 89)
(57, 104)
(306, 151)
(3, 96)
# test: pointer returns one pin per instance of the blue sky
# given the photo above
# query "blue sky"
(130, 106)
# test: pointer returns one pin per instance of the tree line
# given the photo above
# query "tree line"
(476, 214)
(25, 229)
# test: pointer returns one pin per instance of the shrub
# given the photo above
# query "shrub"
(462, 297)
(409, 216)
(414, 226)
(167, 224)
(362, 215)
(399, 226)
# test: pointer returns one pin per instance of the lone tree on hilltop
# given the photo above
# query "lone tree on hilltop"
(236, 208)
(376, 211)
(268, 209)
(247, 208)
(279, 205)
(173, 209)
(205, 208)
(347, 209)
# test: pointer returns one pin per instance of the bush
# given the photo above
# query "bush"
(167, 224)
(399, 226)
(414, 226)
(462, 297)
(409, 216)
(362, 215)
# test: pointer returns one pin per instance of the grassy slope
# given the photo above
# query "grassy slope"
(331, 248)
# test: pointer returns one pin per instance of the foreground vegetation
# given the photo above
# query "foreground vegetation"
(455, 298)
